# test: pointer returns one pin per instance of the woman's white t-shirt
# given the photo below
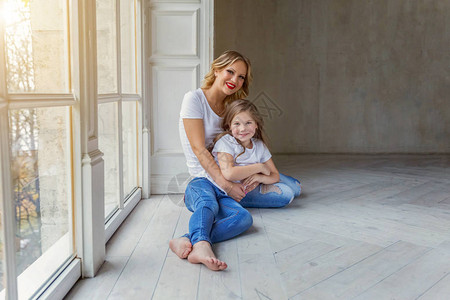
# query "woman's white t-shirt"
(195, 106)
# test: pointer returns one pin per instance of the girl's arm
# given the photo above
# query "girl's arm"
(196, 135)
(233, 173)
(273, 177)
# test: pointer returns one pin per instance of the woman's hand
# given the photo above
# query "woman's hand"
(237, 191)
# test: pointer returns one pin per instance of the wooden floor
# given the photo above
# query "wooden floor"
(365, 227)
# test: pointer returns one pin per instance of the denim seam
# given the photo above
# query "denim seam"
(201, 235)
(197, 193)
(229, 217)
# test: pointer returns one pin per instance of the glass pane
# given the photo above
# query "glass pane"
(128, 46)
(130, 157)
(37, 46)
(108, 130)
(106, 47)
(41, 177)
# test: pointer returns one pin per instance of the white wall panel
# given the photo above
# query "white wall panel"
(167, 104)
(175, 33)
(179, 50)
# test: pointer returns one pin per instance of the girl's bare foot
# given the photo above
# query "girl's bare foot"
(202, 254)
(181, 247)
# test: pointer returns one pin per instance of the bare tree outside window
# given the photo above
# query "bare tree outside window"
(23, 133)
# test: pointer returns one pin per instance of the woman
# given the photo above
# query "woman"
(217, 205)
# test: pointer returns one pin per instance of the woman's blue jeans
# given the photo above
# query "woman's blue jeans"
(218, 217)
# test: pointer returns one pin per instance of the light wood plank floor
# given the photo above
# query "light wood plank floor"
(365, 227)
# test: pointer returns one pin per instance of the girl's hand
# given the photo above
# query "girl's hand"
(252, 182)
(237, 191)
(250, 188)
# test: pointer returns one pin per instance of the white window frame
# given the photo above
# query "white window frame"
(90, 232)
(72, 268)
(129, 201)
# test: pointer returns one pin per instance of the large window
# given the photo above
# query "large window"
(119, 97)
(37, 86)
(49, 162)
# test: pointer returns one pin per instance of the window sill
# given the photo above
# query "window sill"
(119, 216)
(48, 269)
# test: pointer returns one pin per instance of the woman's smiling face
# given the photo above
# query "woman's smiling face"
(231, 78)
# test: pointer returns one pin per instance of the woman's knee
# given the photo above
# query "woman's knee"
(210, 204)
(200, 195)
(196, 201)
(245, 220)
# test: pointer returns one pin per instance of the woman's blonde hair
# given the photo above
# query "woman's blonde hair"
(236, 107)
(224, 60)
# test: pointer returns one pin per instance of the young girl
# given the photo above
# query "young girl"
(243, 156)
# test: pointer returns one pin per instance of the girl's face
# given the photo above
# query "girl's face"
(243, 127)
(231, 78)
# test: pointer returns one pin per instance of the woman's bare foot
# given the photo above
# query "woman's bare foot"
(181, 247)
(202, 254)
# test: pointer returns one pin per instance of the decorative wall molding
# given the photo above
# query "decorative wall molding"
(167, 103)
(175, 33)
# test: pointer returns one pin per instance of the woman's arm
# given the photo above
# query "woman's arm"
(273, 177)
(233, 173)
(196, 135)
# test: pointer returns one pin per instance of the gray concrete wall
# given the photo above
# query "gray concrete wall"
(345, 76)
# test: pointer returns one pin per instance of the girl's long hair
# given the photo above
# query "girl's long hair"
(236, 107)
(224, 60)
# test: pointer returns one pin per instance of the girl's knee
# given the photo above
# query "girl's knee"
(288, 197)
(298, 188)
(282, 194)
(293, 183)
(270, 188)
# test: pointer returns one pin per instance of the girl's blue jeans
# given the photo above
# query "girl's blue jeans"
(218, 217)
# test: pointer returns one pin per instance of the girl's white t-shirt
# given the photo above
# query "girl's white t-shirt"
(228, 144)
(257, 154)
(195, 106)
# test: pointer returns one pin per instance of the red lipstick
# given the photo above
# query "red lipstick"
(230, 85)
